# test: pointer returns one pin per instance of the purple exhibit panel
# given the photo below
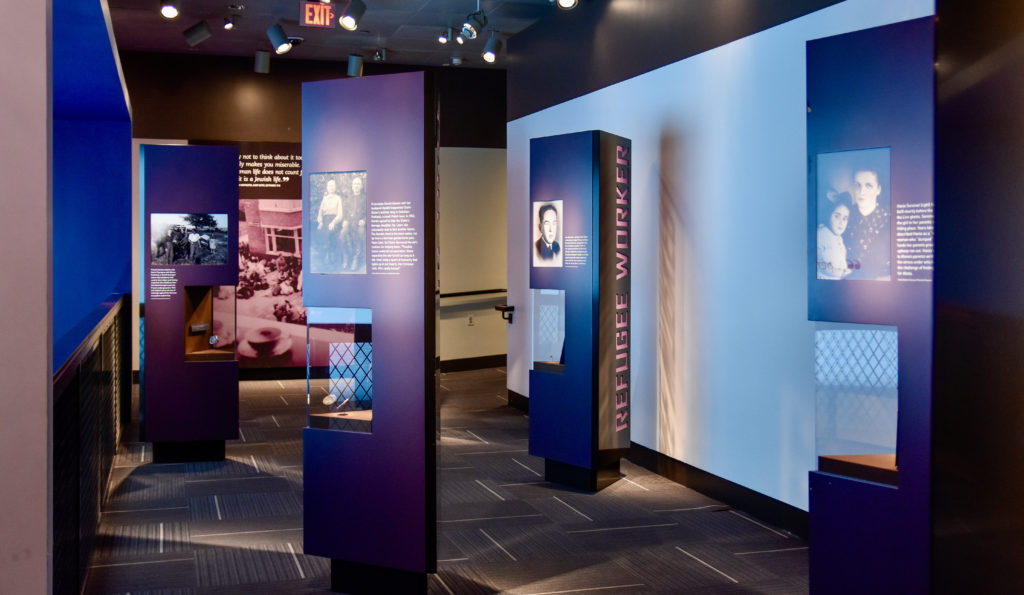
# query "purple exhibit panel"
(579, 254)
(369, 497)
(870, 97)
(190, 197)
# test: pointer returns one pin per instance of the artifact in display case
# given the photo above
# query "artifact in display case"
(188, 238)
(857, 401)
(209, 323)
(549, 330)
(339, 370)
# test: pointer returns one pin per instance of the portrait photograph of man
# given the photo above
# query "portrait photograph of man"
(547, 234)
(337, 222)
(854, 216)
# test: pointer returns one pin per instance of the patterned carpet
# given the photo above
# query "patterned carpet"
(236, 526)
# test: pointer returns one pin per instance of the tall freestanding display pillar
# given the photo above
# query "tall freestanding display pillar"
(369, 271)
(580, 279)
(189, 403)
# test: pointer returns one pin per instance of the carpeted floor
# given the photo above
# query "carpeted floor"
(236, 526)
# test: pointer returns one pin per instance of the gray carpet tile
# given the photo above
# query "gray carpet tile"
(125, 543)
(235, 526)
(244, 506)
(260, 563)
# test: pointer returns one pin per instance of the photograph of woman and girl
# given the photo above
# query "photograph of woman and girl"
(854, 221)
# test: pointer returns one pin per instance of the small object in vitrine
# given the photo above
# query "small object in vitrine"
(330, 399)
(214, 339)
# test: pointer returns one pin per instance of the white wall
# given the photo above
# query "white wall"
(472, 243)
(25, 292)
(723, 354)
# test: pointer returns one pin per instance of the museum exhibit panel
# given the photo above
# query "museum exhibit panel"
(870, 235)
(369, 270)
(189, 371)
(580, 283)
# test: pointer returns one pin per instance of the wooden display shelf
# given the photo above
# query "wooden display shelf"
(877, 468)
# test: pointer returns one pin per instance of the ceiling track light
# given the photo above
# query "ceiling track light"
(567, 4)
(492, 48)
(170, 9)
(352, 14)
(198, 33)
(460, 39)
(278, 39)
(231, 21)
(380, 55)
(446, 35)
(355, 65)
(474, 24)
(261, 65)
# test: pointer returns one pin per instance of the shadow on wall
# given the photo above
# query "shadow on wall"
(668, 217)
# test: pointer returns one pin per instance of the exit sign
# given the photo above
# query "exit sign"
(316, 14)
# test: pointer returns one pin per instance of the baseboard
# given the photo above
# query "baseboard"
(518, 401)
(763, 507)
(473, 363)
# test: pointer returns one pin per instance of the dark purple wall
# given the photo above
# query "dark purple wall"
(978, 402)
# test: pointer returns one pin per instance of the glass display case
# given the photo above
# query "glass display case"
(210, 332)
(856, 400)
(549, 329)
(339, 369)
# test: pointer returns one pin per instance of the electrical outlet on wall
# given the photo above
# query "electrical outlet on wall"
(470, 323)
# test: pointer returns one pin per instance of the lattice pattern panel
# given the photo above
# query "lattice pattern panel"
(856, 378)
(350, 366)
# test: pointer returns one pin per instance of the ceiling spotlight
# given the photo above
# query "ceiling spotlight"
(351, 15)
(445, 36)
(231, 21)
(170, 9)
(355, 65)
(459, 38)
(456, 60)
(492, 48)
(380, 55)
(278, 39)
(262, 62)
(567, 4)
(475, 23)
(198, 33)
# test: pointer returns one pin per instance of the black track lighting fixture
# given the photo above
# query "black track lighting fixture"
(353, 12)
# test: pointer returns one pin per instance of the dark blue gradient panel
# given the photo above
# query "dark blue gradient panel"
(562, 169)
(871, 101)
(368, 496)
(187, 400)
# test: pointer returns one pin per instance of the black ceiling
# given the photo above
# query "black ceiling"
(407, 29)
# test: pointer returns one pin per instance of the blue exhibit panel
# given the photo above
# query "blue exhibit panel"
(187, 401)
(369, 496)
(579, 406)
(562, 168)
(870, 98)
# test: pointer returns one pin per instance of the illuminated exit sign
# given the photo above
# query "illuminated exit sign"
(316, 14)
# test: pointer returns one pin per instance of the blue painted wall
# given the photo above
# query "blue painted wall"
(91, 183)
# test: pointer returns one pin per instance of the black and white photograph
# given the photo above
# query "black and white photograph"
(188, 238)
(547, 234)
(337, 222)
(854, 216)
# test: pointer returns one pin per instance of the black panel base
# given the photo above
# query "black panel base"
(355, 578)
(188, 452)
(518, 401)
(590, 480)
